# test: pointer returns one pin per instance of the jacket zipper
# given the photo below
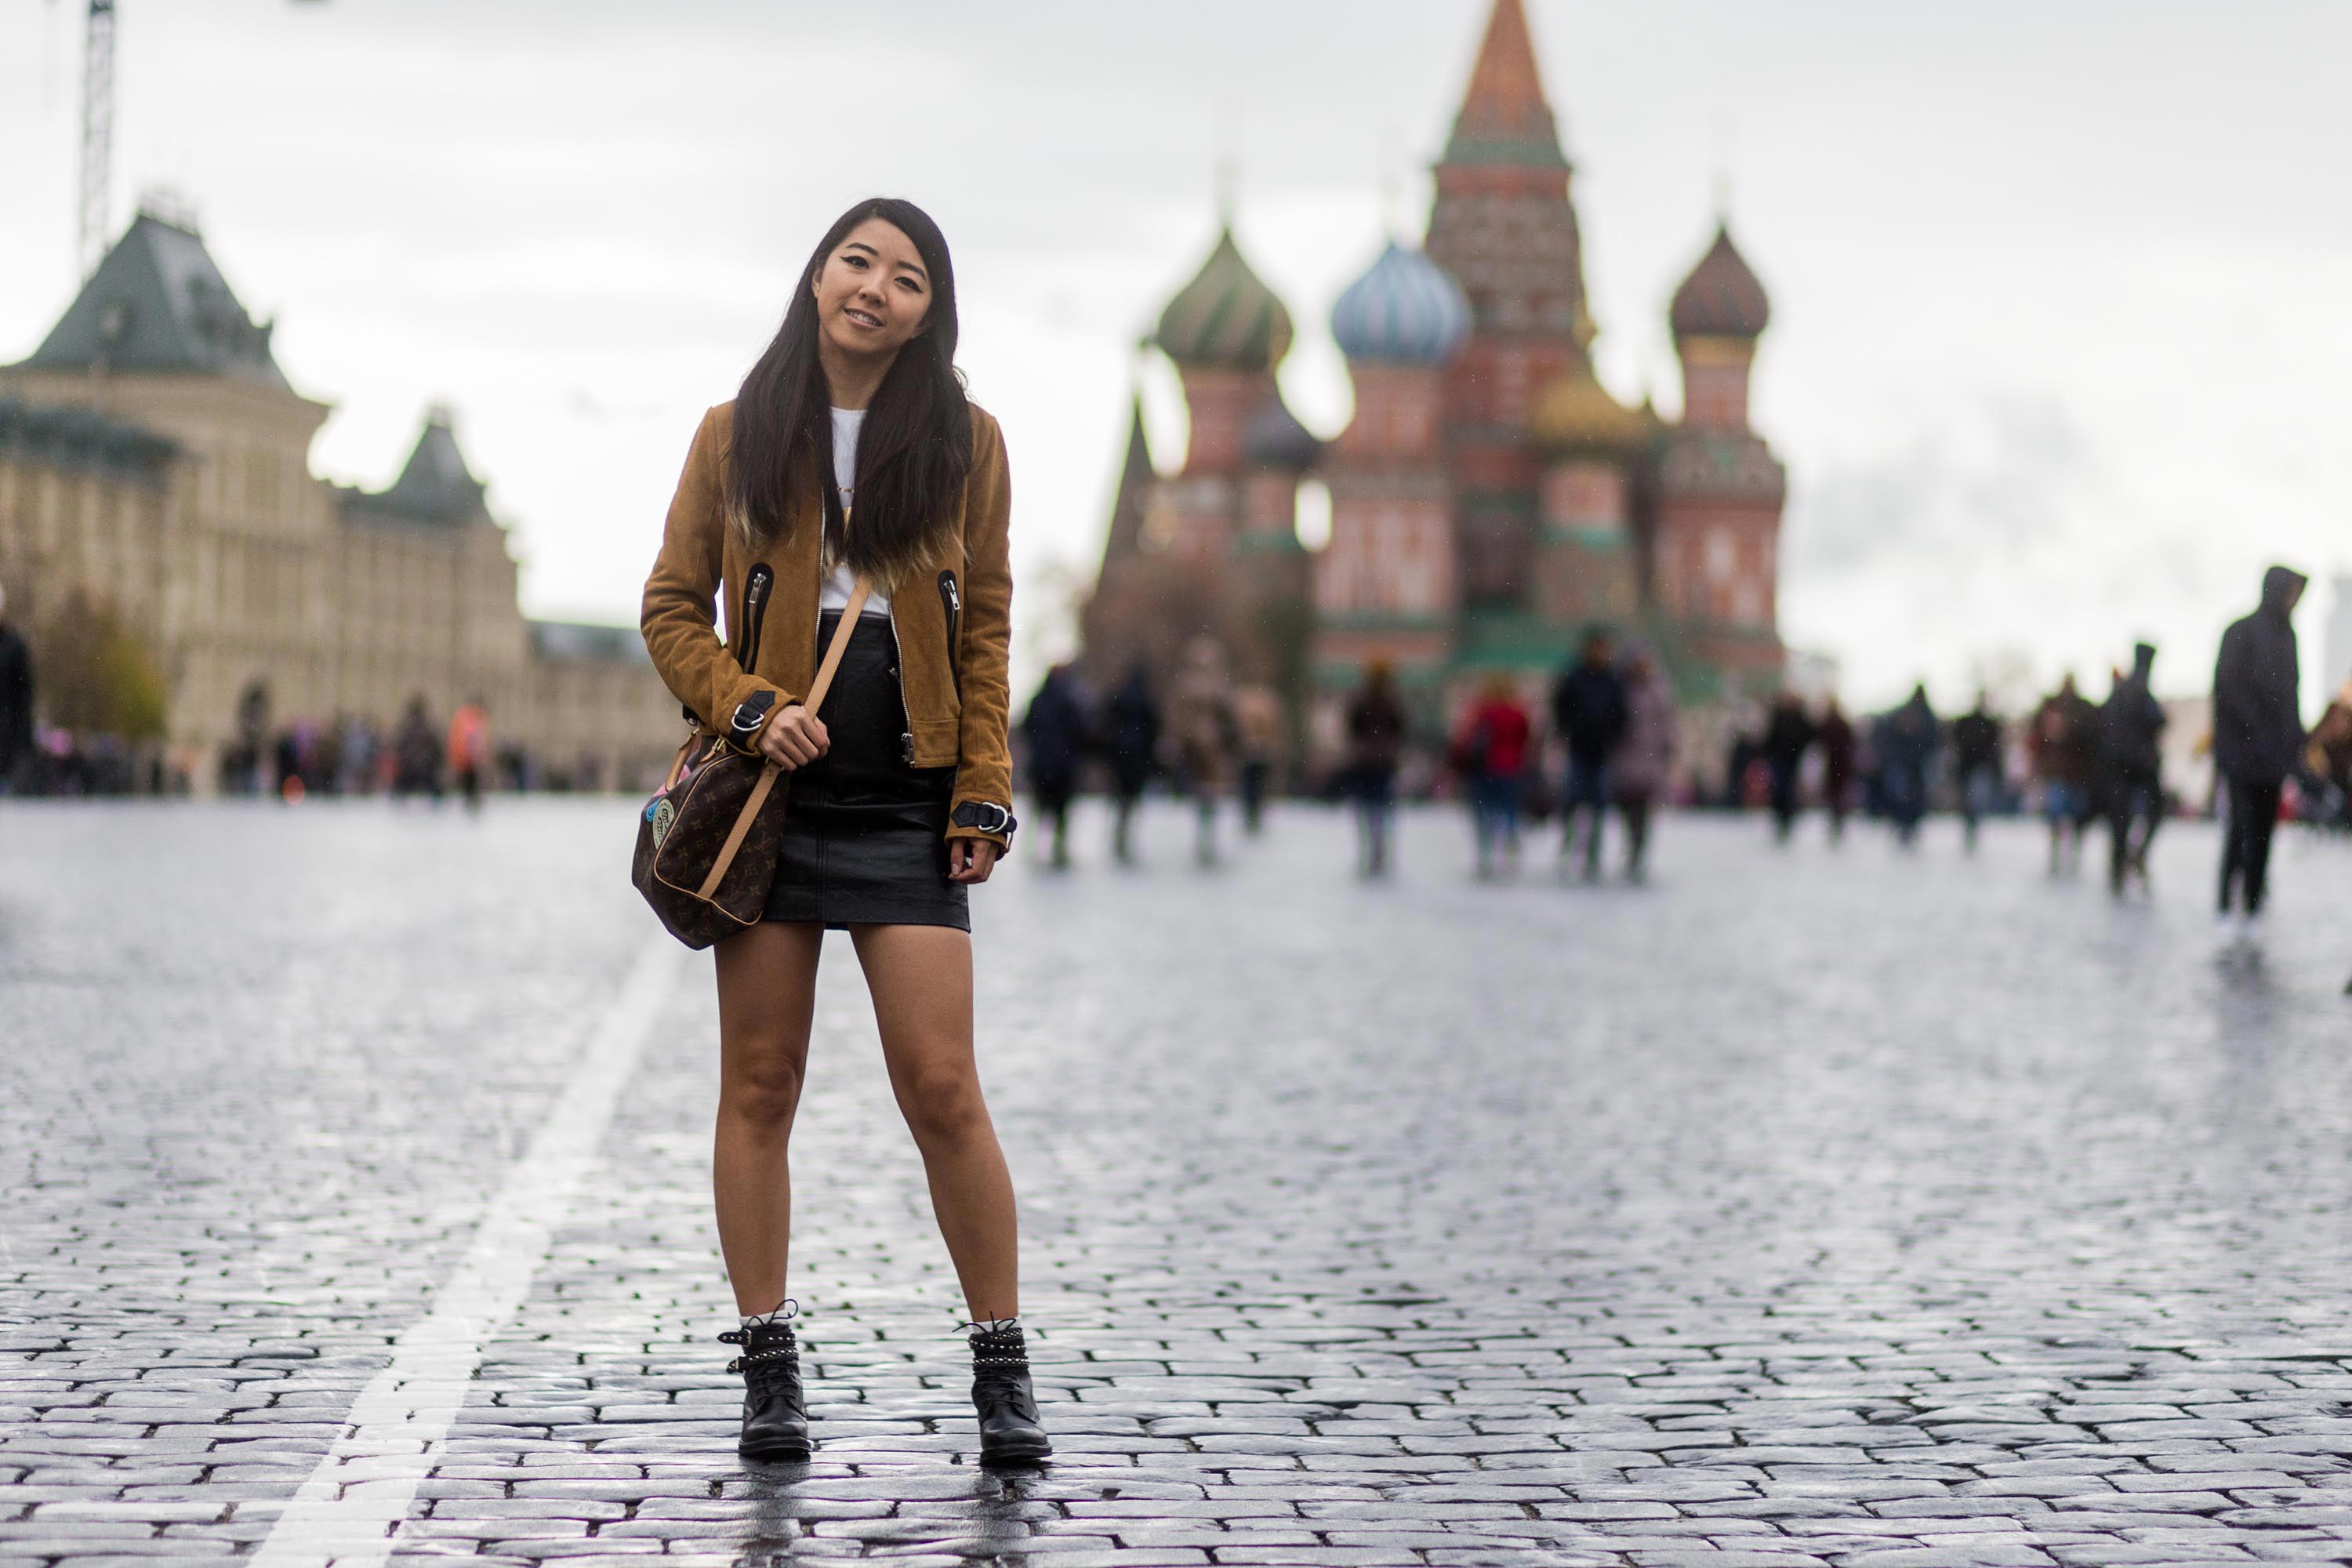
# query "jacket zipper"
(953, 602)
(899, 668)
(755, 610)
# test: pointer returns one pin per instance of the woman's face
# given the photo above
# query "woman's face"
(872, 293)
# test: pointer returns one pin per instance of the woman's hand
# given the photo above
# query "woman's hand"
(972, 859)
(795, 738)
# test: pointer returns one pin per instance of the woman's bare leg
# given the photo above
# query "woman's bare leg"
(921, 980)
(767, 996)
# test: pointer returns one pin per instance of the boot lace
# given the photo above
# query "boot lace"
(1000, 1368)
(771, 1358)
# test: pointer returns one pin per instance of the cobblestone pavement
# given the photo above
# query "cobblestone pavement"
(1800, 1207)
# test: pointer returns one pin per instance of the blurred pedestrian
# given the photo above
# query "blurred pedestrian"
(1976, 766)
(1907, 751)
(1376, 734)
(1490, 753)
(15, 698)
(1645, 758)
(469, 750)
(1588, 711)
(1201, 721)
(2063, 746)
(1837, 743)
(1054, 728)
(2131, 770)
(1258, 727)
(416, 753)
(1128, 731)
(2330, 753)
(1787, 736)
(2257, 739)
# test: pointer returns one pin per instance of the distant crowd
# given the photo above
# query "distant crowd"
(2084, 765)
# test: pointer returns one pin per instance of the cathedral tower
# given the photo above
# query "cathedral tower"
(1716, 541)
(1502, 226)
(1385, 584)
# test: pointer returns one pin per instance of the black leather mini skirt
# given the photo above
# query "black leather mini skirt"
(864, 830)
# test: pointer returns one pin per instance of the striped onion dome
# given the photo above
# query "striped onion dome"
(1722, 297)
(1407, 310)
(1225, 318)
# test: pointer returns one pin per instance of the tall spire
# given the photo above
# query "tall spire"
(1135, 480)
(1505, 117)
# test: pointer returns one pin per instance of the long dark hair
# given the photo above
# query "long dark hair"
(914, 448)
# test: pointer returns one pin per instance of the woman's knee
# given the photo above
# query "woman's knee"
(765, 1091)
(944, 1104)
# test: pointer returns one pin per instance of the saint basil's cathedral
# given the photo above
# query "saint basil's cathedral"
(1490, 499)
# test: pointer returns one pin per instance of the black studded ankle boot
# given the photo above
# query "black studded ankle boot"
(1010, 1432)
(775, 1419)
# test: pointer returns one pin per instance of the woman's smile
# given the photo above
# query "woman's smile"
(872, 292)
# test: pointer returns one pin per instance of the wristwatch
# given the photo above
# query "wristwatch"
(750, 714)
(986, 815)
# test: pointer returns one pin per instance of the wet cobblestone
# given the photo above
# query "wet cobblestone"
(1798, 1209)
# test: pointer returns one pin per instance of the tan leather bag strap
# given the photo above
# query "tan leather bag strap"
(677, 763)
(769, 773)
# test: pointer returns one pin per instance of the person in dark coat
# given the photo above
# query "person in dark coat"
(2065, 745)
(1976, 766)
(2257, 737)
(1056, 730)
(1129, 733)
(1588, 710)
(15, 697)
(1837, 743)
(1376, 734)
(416, 751)
(2131, 770)
(1787, 736)
(1907, 750)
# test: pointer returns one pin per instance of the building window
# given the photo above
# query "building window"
(1722, 555)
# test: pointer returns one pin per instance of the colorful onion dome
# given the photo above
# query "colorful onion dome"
(1721, 298)
(1574, 412)
(1272, 437)
(1225, 318)
(1407, 310)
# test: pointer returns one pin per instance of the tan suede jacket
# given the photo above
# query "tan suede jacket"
(952, 616)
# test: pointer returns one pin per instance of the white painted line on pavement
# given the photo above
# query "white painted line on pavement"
(346, 1512)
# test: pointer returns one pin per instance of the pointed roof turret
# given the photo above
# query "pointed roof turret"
(158, 302)
(1505, 117)
(436, 485)
(1225, 318)
(1136, 475)
(1722, 298)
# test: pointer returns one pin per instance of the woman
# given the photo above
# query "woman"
(850, 457)
(1201, 714)
(1644, 756)
(1490, 752)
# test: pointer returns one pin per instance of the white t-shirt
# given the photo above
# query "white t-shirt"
(838, 585)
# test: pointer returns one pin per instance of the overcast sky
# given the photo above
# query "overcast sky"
(2062, 294)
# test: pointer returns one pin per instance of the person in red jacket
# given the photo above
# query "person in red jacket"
(1490, 753)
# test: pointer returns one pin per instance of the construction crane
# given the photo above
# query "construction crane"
(97, 133)
(97, 136)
